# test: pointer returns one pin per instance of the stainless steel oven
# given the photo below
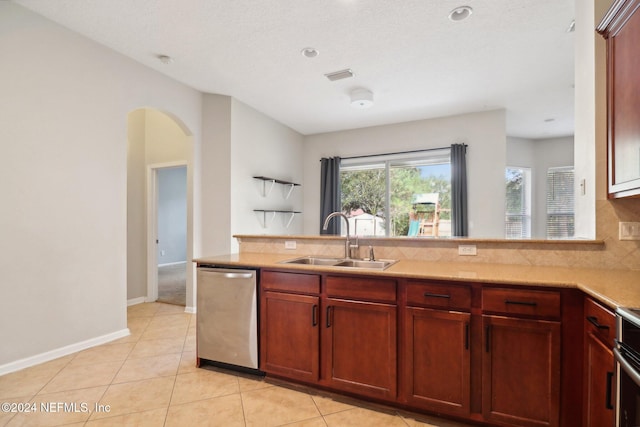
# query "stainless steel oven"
(627, 356)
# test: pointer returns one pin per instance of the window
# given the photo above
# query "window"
(560, 206)
(518, 203)
(387, 195)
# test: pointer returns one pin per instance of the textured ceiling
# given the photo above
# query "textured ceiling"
(511, 54)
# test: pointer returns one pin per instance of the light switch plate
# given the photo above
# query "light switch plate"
(467, 250)
(629, 230)
(289, 244)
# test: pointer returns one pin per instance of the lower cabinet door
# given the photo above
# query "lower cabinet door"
(437, 360)
(359, 347)
(521, 371)
(289, 335)
(599, 393)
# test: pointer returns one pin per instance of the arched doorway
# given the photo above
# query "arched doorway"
(156, 141)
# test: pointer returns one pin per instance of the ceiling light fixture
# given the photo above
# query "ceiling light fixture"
(460, 13)
(165, 59)
(361, 98)
(309, 52)
(339, 75)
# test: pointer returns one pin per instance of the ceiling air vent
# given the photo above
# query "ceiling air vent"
(339, 75)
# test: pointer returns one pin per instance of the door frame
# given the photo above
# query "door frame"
(152, 223)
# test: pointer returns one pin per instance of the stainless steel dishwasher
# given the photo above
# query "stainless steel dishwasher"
(227, 318)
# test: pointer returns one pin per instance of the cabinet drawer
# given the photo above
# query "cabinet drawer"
(438, 295)
(599, 321)
(521, 302)
(361, 288)
(290, 282)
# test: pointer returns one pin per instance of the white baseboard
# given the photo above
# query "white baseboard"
(172, 263)
(62, 351)
(135, 301)
(191, 310)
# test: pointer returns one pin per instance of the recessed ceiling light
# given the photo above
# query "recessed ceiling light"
(460, 13)
(339, 75)
(165, 59)
(309, 52)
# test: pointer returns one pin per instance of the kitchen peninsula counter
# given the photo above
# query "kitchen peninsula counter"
(614, 288)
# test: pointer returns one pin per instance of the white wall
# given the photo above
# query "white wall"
(539, 155)
(216, 175)
(63, 222)
(260, 146)
(484, 133)
(586, 42)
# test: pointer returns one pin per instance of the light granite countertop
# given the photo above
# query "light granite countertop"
(614, 288)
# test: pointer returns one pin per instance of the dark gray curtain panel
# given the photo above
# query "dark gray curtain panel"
(329, 192)
(459, 219)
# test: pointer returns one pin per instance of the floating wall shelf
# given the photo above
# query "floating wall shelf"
(287, 185)
(266, 212)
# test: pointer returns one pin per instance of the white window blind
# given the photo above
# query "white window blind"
(560, 203)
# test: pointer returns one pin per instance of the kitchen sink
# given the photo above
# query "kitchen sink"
(358, 263)
(313, 261)
(341, 262)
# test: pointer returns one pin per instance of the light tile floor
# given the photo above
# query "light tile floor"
(149, 379)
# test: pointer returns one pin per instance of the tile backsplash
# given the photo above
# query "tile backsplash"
(607, 252)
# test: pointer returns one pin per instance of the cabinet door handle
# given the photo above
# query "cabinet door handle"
(466, 336)
(329, 317)
(594, 321)
(528, 303)
(430, 295)
(314, 315)
(487, 338)
(607, 403)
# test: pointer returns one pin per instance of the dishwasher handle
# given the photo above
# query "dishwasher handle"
(227, 274)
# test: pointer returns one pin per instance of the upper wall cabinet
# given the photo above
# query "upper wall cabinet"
(621, 28)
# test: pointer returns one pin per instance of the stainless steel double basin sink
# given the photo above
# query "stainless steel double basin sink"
(380, 264)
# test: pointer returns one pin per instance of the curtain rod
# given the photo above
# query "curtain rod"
(399, 152)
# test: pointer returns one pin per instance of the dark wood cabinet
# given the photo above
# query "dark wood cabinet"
(495, 354)
(521, 370)
(436, 346)
(599, 393)
(336, 331)
(290, 325)
(291, 342)
(621, 29)
(359, 347)
(437, 360)
(359, 336)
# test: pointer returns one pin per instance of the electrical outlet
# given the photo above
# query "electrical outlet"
(467, 250)
(289, 244)
(162, 252)
(629, 230)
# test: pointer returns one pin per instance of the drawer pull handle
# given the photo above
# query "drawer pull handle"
(607, 402)
(430, 295)
(328, 317)
(487, 338)
(466, 336)
(594, 321)
(314, 315)
(527, 303)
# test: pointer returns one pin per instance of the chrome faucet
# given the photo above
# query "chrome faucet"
(347, 243)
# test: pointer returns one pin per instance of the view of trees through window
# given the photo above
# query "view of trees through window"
(517, 203)
(410, 198)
